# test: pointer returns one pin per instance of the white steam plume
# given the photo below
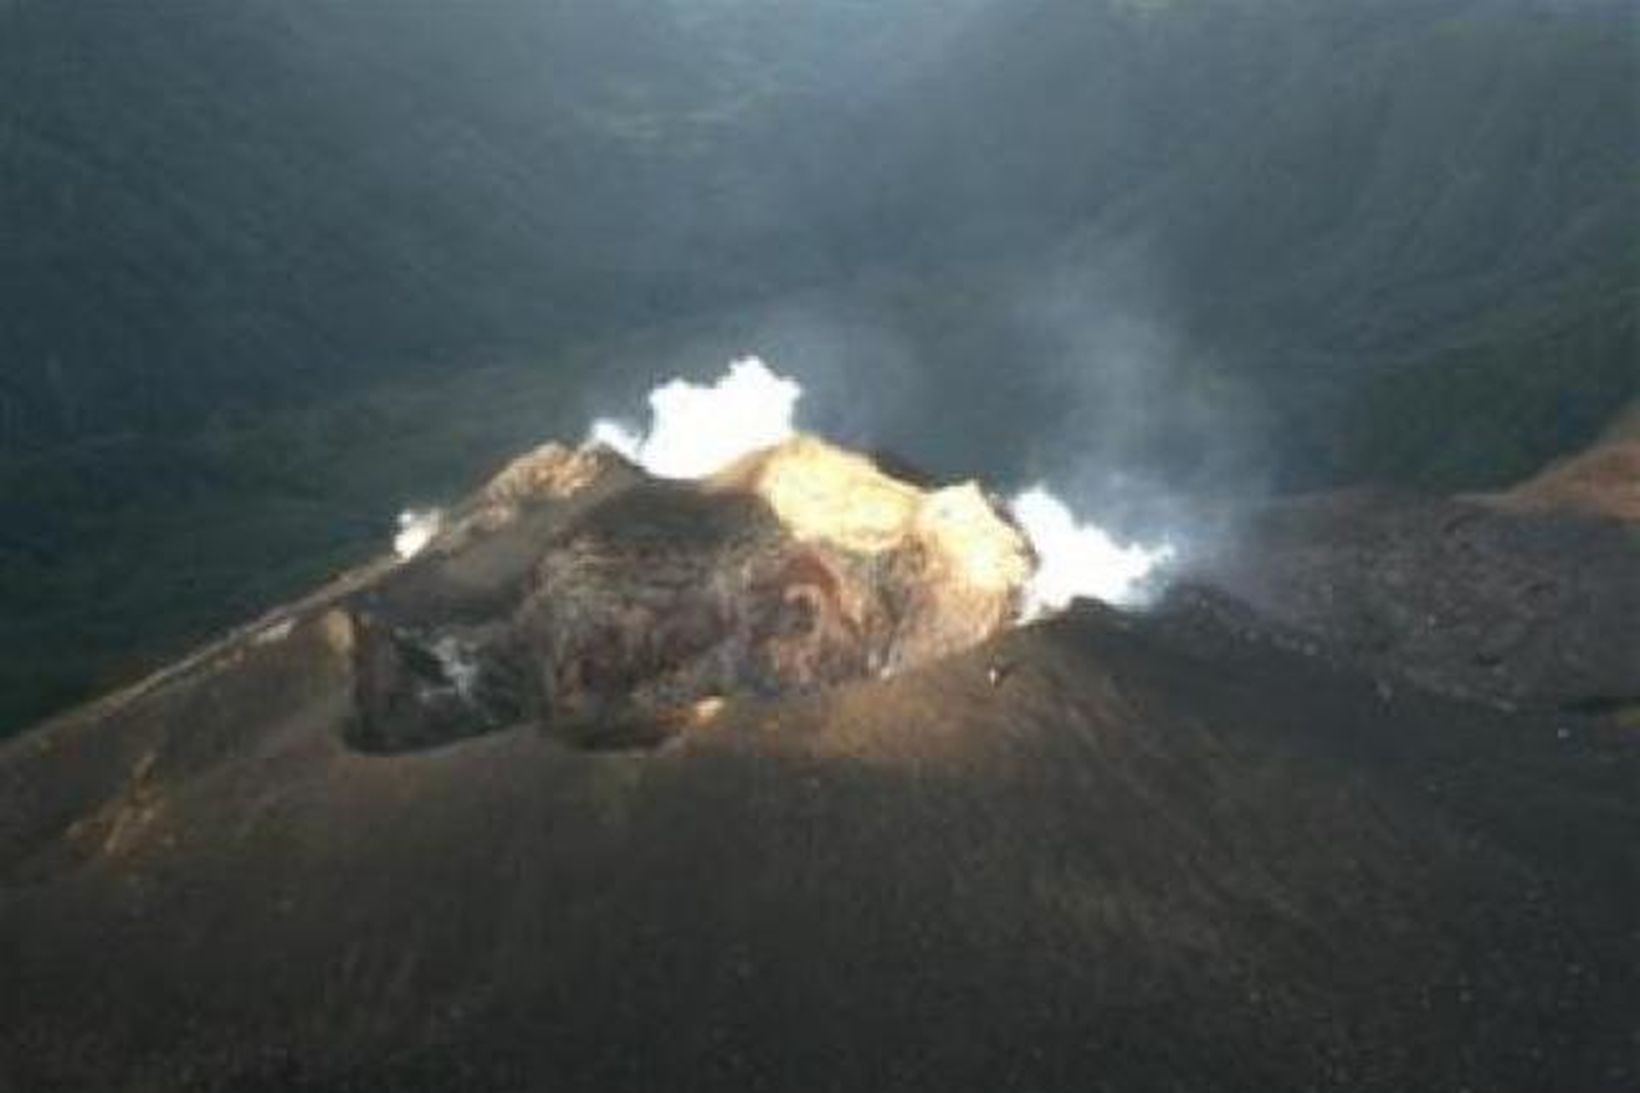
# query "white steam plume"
(695, 430)
(417, 527)
(1080, 560)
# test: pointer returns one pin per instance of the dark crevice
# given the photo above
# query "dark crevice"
(417, 689)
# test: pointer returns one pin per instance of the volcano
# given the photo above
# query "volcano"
(758, 781)
(583, 594)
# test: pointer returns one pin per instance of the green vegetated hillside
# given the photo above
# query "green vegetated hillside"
(270, 270)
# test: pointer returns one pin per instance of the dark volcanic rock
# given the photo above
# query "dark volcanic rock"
(575, 590)
(1541, 609)
(669, 596)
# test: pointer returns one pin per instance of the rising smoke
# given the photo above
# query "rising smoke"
(417, 528)
(1081, 559)
(696, 429)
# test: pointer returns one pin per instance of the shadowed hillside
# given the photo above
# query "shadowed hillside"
(756, 780)
(1151, 858)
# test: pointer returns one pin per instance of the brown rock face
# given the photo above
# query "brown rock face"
(1602, 482)
(610, 596)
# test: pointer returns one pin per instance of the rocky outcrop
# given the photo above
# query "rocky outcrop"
(574, 589)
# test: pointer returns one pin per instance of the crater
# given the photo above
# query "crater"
(606, 614)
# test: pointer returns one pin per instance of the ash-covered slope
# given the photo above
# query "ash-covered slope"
(1533, 608)
(1174, 851)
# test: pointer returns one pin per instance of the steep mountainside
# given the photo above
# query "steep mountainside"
(272, 269)
(1180, 850)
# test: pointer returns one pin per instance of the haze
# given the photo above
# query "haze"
(274, 271)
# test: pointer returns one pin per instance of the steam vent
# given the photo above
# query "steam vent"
(577, 591)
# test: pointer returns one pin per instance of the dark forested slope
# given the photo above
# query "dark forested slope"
(212, 205)
(268, 270)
